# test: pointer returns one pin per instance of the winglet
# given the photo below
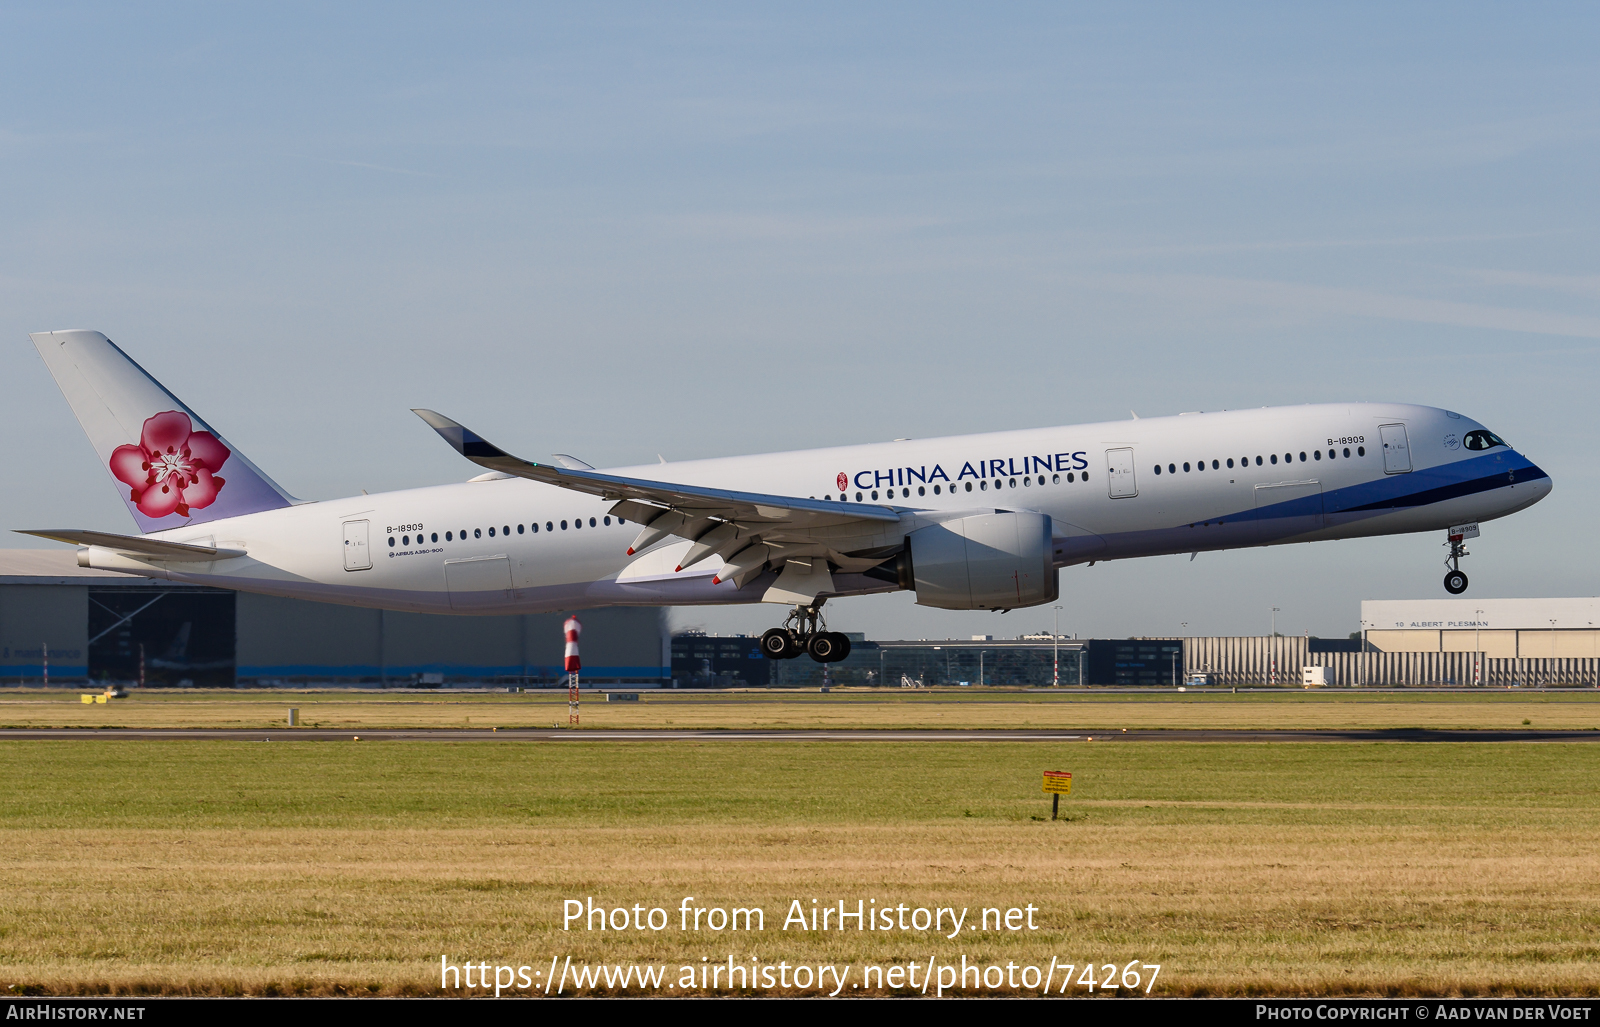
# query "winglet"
(463, 439)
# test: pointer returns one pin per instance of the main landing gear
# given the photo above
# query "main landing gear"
(804, 631)
(1455, 582)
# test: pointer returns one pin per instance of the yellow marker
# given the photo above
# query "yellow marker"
(88, 698)
(100, 699)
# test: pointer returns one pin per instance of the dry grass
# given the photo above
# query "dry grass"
(1243, 869)
(1073, 711)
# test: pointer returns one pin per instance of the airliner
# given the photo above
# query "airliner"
(969, 522)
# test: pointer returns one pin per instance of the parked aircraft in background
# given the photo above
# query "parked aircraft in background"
(972, 522)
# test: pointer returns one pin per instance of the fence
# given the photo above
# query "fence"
(1258, 660)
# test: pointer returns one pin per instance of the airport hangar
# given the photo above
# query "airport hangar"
(84, 624)
(79, 623)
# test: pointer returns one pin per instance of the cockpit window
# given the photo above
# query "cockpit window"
(1481, 440)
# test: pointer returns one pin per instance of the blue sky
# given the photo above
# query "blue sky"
(620, 230)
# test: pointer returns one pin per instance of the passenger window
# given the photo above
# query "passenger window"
(983, 486)
(591, 523)
(1041, 479)
(1302, 456)
(519, 529)
(858, 497)
(448, 536)
(1230, 463)
(1172, 468)
(534, 527)
(1186, 467)
(405, 540)
(435, 537)
(936, 490)
(1217, 467)
(969, 486)
(827, 499)
(1274, 458)
(1055, 479)
(1315, 453)
(1158, 468)
(1200, 465)
(1258, 461)
(577, 522)
(921, 491)
(1361, 451)
(874, 493)
(505, 530)
(391, 541)
(477, 533)
(1069, 477)
(1480, 440)
(563, 525)
(549, 526)
(491, 533)
(1085, 476)
(608, 522)
(1347, 452)
(1013, 483)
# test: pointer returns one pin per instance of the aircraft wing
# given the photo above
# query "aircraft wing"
(777, 512)
(749, 531)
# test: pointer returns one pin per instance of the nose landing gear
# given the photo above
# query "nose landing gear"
(1455, 582)
(804, 631)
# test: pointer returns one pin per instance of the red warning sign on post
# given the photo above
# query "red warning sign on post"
(1058, 781)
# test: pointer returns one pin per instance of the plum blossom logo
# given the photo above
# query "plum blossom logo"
(842, 481)
(173, 468)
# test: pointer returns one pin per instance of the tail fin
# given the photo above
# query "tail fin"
(170, 467)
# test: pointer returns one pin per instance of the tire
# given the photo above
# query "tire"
(823, 647)
(775, 644)
(844, 646)
(1455, 583)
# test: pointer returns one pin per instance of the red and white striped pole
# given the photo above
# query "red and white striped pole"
(573, 629)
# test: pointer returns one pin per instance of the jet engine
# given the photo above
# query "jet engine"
(999, 561)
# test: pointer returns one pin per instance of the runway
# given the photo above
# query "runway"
(865, 736)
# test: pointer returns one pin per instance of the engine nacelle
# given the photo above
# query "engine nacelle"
(1000, 561)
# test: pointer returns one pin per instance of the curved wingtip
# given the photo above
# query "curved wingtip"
(461, 438)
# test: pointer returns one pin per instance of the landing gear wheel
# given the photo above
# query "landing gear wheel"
(825, 647)
(778, 644)
(1455, 583)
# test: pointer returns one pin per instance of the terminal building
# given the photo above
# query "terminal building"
(71, 624)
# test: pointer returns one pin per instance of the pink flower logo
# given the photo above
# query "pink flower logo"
(173, 468)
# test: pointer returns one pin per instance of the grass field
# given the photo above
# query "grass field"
(1291, 708)
(234, 867)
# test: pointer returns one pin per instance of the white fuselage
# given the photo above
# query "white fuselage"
(447, 548)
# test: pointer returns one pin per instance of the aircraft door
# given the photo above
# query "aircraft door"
(1396, 454)
(357, 557)
(1119, 470)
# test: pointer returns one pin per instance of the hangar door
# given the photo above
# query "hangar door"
(183, 637)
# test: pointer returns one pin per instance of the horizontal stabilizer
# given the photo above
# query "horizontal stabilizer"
(134, 545)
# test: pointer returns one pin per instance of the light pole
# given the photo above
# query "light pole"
(1183, 634)
(1550, 676)
(1477, 649)
(1274, 645)
(1055, 646)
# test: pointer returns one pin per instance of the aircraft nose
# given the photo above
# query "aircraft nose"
(1538, 481)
